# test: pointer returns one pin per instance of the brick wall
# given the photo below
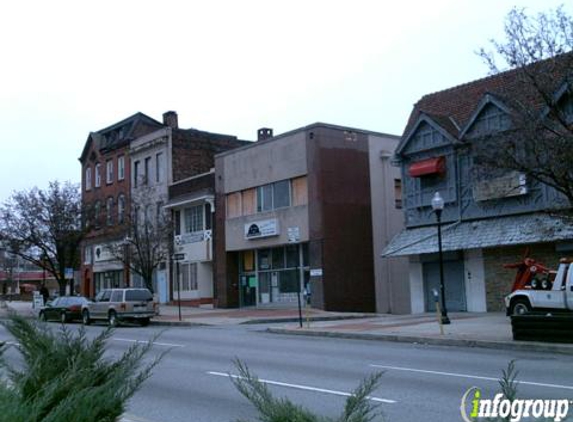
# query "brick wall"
(498, 280)
(194, 151)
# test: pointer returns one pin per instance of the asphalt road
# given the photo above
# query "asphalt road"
(419, 382)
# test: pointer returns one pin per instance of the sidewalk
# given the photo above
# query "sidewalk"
(490, 330)
(169, 315)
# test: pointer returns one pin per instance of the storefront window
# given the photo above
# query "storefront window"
(289, 281)
(248, 261)
(264, 260)
(292, 256)
(278, 258)
(305, 255)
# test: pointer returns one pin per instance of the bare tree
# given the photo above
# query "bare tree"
(44, 227)
(148, 231)
(536, 86)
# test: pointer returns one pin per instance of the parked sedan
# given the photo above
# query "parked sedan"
(63, 309)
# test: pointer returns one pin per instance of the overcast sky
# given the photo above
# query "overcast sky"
(71, 67)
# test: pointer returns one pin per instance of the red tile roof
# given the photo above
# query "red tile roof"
(459, 102)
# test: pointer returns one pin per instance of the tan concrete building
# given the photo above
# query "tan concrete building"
(294, 213)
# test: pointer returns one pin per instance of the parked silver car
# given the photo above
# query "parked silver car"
(116, 305)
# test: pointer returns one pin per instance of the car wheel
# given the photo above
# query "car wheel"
(42, 317)
(86, 320)
(144, 322)
(112, 319)
(63, 317)
(520, 307)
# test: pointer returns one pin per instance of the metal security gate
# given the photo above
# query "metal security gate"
(453, 283)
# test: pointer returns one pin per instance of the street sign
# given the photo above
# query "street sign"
(316, 272)
(179, 257)
(68, 273)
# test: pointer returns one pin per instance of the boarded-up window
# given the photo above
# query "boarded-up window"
(398, 193)
(299, 191)
(249, 201)
(248, 261)
(234, 205)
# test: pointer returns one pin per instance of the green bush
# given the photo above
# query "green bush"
(358, 407)
(65, 377)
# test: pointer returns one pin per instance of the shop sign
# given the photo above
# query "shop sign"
(511, 184)
(104, 252)
(263, 228)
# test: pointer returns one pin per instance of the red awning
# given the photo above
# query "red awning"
(425, 167)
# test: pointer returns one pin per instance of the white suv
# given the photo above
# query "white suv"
(116, 305)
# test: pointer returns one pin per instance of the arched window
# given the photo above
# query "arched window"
(121, 208)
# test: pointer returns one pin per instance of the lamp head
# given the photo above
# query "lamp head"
(437, 202)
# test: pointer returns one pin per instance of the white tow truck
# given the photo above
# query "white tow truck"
(551, 296)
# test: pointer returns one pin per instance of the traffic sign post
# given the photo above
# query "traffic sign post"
(178, 257)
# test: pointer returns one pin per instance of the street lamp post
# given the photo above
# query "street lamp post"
(438, 206)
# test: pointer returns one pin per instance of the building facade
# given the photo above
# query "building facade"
(192, 206)
(127, 169)
(490, 217)
(106, 195)
(166, 166)
(293, 214)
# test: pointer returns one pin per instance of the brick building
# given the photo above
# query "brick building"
(106, 174)
(134, 158)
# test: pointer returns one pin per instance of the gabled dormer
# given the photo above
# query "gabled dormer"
(429, 132)
(563, 104)
(490, 116)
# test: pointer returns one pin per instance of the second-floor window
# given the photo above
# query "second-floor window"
(273, 196)
(146, 170)
(120, 209)
(159, 167)
(88, 178)
(109, 211)
(98, 175)
(97, 211)
(398, 194)
(121, 167)
(193, 219)
(136, 174)
(109, 171)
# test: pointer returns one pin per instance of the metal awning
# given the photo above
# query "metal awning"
(486, 233)
(426, 167)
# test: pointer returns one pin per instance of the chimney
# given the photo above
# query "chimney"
(170, 119)
(264, 133)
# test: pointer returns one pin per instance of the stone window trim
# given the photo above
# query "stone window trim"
(97, 183)
(88, 178)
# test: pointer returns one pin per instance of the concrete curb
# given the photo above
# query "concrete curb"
(178, 324)
(296, 319)
(522, 346)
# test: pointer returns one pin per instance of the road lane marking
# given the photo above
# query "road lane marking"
(303, 387)
(157, 343)
(475, 377)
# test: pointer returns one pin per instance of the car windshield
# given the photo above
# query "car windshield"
(135, 295)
